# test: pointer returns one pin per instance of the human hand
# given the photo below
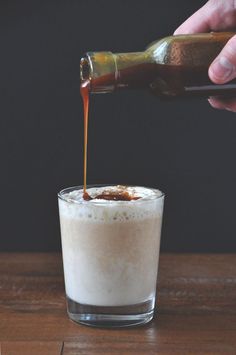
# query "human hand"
(217, 15)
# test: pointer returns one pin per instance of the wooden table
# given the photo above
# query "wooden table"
(196, 310)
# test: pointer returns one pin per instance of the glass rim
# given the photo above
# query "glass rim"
(154, 197)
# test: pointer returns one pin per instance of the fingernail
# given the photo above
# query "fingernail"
(211, 102)
(222, 68)
(215, 103)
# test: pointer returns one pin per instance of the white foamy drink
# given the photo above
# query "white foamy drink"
(111, 248)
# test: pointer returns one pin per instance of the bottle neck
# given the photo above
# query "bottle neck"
(107, 71)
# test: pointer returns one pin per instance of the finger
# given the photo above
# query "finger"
(197, 23)
(223, 104)
(223, 68)
(215, 15)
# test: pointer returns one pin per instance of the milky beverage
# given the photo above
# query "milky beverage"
(111, 248)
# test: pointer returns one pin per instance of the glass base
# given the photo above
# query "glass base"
(111, 317)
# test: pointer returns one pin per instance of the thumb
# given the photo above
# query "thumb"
(223, 68)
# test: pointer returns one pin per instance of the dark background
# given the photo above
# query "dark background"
(185, 148)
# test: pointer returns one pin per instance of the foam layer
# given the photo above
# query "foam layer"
(149, 205)
(134, 191)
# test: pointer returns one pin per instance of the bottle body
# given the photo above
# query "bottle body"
(172, 66)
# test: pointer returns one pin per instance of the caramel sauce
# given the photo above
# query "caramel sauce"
(168, 81)
(106, 195)
(86, 196)
(116, 196)
(84, 90)
(111, 196)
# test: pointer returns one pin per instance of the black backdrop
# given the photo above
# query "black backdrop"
(185, 148)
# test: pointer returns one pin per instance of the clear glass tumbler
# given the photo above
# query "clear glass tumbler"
(110, 257)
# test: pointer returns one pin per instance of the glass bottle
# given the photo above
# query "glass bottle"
(173, 66)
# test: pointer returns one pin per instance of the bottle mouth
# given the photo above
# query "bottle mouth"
(99, 68)
(85, 69)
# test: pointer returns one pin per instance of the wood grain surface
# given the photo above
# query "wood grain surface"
(196, 309)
